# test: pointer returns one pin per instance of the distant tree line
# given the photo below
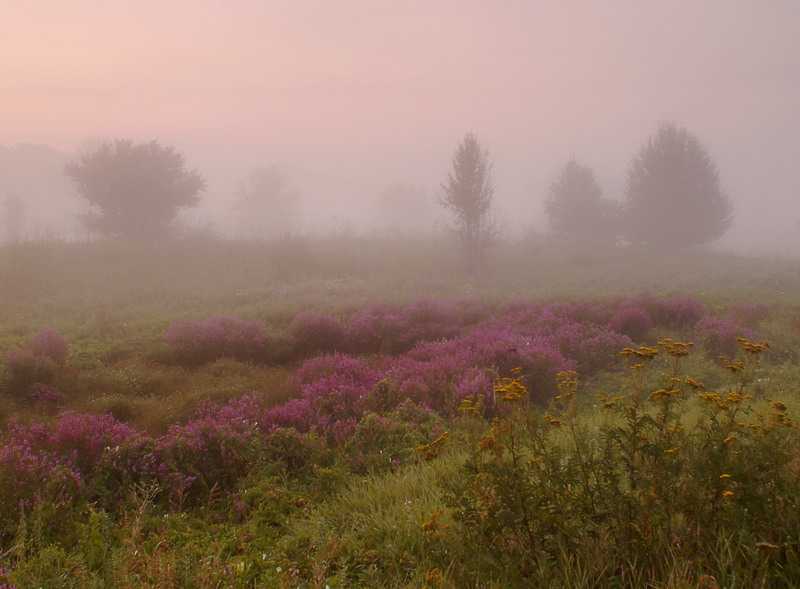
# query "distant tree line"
(673, 199)
(672, 196)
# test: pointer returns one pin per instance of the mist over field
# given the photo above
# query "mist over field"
(450, 294)
(352, 98)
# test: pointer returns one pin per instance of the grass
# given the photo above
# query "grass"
(598, 499)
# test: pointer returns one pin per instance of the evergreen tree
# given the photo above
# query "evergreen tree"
(576, 210)
(673, 196)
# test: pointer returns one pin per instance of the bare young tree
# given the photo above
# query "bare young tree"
(469, 195)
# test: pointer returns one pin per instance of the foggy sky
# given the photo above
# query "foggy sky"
(354, 95)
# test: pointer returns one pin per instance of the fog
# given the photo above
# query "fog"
(353, 97)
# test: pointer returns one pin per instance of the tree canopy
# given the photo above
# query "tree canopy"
(13, 214)
(134, 190)
(576, 210)
(403, 207)
(266, 203)
(469, 195)
(673, 195)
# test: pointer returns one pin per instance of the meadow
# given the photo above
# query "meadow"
(348, 411)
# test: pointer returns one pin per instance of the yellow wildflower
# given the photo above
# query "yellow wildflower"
(664, 394)
(694, 384)
(433, 449)
(554, 421)
(644, 352)
(432, 527)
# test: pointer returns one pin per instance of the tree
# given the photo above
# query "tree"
(35, 173)
(13, 208)
(403, 207)
(134, 190)
(266, 203)
(673, 196)
(469, 195)
(576, 210)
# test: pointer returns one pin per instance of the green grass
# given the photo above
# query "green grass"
(433, 523)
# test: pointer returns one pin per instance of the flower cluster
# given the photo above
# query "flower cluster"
(219, 336)
(314, 332)
(33, 366)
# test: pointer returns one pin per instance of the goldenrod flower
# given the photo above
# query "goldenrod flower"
(490, 444)
(664, 394)
(510, 389)
(433, 449)
(694, 384)
(712, 398)
(644, 352)
(554, 421)
(432, 526)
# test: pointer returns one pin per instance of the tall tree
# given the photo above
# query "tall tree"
(403, 207)
(469, 195)
(267, 204)
(673, 195)
(35, 173)
(134, 190)
(576, 210)
(13, 209)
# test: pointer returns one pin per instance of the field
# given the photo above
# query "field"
(359, 412)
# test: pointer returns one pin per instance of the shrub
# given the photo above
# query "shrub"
(393, 329)
(44, 393)
(50, 344)
(335, 388)
(219, 336)
(381, 443)
(669, 473)
(673, 314)
(316, 332)
(376, 328)
(719, 336)
(32, 475)
(292, 451)
(589, 347)
(36, 364)
(751, 314)
(499, 346)
(632, 322)
(213, 451)
(27, 369)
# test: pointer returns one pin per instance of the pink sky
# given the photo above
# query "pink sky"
(354, 94)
